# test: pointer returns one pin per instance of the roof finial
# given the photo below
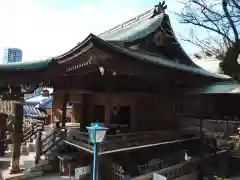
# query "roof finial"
(159, 9)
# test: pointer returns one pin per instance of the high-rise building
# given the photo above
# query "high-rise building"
(12, 55)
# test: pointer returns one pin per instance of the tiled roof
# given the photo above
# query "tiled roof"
(218, 88)
(31, 65)
(47, 104)
(134, 29)
(28, 109)
(160, 60)
(211, 65)
(35, 99)
(138, 28)
(31, 111)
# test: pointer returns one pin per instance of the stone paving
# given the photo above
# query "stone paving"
(27, 162)
(53, 177)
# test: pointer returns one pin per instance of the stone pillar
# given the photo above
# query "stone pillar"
(38, 147)
(16, 136)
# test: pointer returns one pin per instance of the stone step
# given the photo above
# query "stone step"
(9, 147)
(8, 154)
(24, 150)
(43, 165)
(20, 176)
(31, 146)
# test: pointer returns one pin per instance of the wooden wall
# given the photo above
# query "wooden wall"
(155, 112)
(148, 112)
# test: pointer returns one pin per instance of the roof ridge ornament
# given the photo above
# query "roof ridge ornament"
(159, 9)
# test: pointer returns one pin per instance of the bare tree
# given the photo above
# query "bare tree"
(221, 20)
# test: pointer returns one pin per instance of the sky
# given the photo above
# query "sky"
(47, 28)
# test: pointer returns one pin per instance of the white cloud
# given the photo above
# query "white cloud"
(43, 31)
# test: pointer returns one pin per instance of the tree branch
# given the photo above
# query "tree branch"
(209, 28)
(191, 17)
(234, 28)
(235, 3)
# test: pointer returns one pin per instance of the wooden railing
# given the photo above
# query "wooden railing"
(214, 127)
(6, 107)
(81, 139)
(173, 172)
(184, 168)
(180, 170)
(51, 140)
(30, 129)
(47, 143)
(114, 142)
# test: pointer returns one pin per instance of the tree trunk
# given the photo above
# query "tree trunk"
(230, 63)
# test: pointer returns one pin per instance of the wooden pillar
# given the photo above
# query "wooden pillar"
(64, 107)
(202, 149)
(108, 110)
(76, 112)
(59, 106)
(133, 115)
(3, 128)
(16, 134)
(87, 109)
(54, 108)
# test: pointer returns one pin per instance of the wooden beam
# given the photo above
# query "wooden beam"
(77, 146)
(148, 145)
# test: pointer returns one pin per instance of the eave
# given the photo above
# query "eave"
(93, 41)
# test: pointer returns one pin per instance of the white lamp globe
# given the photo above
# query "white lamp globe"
(97, 133)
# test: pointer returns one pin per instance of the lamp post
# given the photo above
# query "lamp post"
(96, 134)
